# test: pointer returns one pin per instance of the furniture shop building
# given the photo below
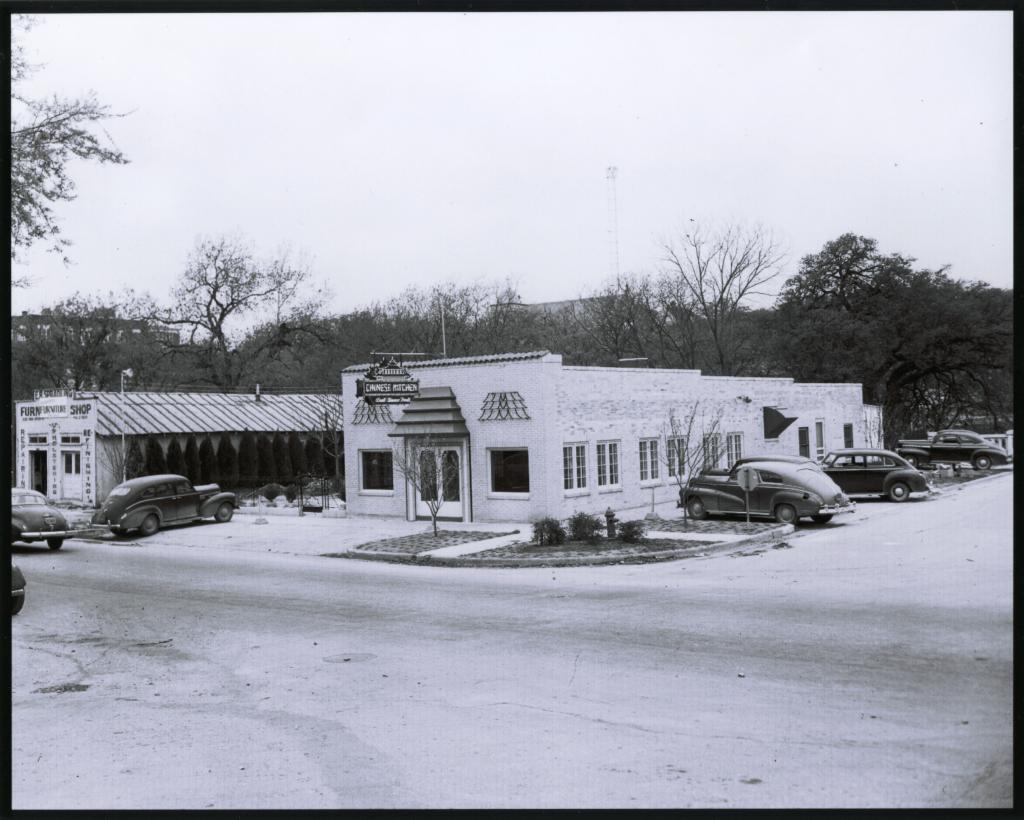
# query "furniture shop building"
(521, 435)
(69, 443)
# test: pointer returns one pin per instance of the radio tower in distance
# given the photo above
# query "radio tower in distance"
(613, 221)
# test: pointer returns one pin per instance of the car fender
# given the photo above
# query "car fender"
(133, 518)
(804, 506)
(209, 507)
(998, 456)
(922, 452)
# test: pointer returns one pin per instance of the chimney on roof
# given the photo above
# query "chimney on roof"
(257, 392)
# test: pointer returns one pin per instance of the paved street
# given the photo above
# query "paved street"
(867, 664)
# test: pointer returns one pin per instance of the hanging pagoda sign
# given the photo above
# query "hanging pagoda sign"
(387, 383)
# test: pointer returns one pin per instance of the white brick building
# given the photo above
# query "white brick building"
(526, 436)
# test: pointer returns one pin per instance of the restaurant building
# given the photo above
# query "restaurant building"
(522, 435)
(68, 444)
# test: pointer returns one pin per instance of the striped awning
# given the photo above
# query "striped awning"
(434, 412)
(155, 413)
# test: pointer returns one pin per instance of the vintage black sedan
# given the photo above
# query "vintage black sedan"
(874, 472)
(953, 447)
(150, 502)
(34, 519)
(787, 491)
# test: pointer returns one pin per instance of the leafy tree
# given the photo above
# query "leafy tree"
(84, 342)
(207, 462)
(282, 459)
(931, 350)
(175, 457)
(227, 461)
(265, 459)
(297, 454)
(155, 461)
(135, 463)
(46, 136)
(248, 466)
(193, 469)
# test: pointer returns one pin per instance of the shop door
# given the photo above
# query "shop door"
(440, 472)
(38, 467)
(71, 486)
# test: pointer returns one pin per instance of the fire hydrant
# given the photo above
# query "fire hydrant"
(610, 519)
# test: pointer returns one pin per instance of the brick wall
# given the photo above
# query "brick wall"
(590, 405)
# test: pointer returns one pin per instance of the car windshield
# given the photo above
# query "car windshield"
(122, 490)
(22, 499)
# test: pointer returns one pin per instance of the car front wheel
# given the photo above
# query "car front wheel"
(821, 519)
(786, 514)
(224, 513)
(17, 603)
(55, 543)
(150, 524)
(899, 491)
(982, 462)
(695, 509)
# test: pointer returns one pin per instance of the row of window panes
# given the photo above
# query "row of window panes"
(510, 471)
(574, 459)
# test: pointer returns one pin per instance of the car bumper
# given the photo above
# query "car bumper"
(51, 534)
(837, 509)
(18, 593)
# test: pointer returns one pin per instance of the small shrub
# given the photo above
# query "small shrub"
(632, 532)
(585, 527)
(548, 531)
(271, 491)
(291, 492)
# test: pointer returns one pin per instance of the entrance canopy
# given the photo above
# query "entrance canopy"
(434, 412)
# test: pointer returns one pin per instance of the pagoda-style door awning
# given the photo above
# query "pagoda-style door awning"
(434, 412)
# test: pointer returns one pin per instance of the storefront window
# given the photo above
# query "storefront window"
(378, 473)
(510, 471)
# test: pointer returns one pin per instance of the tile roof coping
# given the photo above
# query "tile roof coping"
(493, 358)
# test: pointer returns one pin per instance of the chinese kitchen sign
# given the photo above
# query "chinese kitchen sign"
(387, 383)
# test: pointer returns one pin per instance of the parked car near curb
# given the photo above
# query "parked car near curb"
(953, 447)
(33, 518)
(874, 472)
(787, 492)
(150, 502)
(17, 589)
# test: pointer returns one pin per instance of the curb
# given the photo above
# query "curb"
(587, 561)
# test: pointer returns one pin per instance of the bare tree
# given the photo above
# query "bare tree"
(717, 272)
(693, 443)
(329, 429)
(420, 460)
(46, 135)
(224, 285)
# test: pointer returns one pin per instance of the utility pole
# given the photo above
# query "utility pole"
(611, 172)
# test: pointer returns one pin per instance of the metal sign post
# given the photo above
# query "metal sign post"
(748, 480)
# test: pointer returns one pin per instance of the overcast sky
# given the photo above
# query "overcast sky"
(393, 149)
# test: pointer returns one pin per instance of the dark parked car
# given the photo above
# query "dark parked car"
(874, 472)
(150, 502)
(33, 519)
(953, 447)
(17, 589)
(787, 492)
